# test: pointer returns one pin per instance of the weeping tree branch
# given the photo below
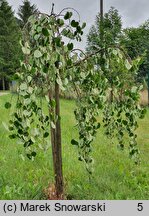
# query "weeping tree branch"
(97, 52)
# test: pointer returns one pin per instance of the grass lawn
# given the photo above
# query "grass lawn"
(115, 175)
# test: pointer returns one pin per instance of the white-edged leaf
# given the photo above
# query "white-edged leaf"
(37, 54)
(114, 52)
(23, 86)
(53, 125)
(128, 65)
(26, 50)
(29, 78)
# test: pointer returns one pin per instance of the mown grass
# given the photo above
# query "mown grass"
(115, 175)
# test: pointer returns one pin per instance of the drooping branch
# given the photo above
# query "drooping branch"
(69, 8)
(97, 52)
(84, 59)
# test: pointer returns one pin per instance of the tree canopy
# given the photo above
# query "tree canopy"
(112, 27)
(133, 40)
(25, 11)
(9, 42)
(136, 43)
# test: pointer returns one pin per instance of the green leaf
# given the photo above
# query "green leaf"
(144, 111)
(17, 124)
(124, 122)
(53, 125)
(74, 24)
(23, 86)
(114, 51)
(69, 62)
(35, 132)
(74, 142)
(36, 36)
(26, 50)
(120, 146)
(98, 125)
(57, 41)
(70, 46)
(128, 65)
(26, 113)
(83, 75)
(39, 29)
(120, 54)
(29, 156)
(11, 128)
(79, 30)
(60, 22)
(83, 25)
(66, 81)
(33, 154)
(68, 15)
(7, 105)
(45, 69)
(32, 140)
(31, 19)
(57, 63)
(59, 81)
(46, 119)
(13, 136)
(20, 131)
(46, 134)
(29, 78)
(45, 32)
(37, 54)
(131, 134)
(30, 90)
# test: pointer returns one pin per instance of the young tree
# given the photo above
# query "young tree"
(9, 43)
(112, 27)
(54, 63)
(25, 11)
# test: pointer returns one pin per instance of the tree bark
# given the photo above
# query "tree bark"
(51, 112)
(56, 144)
(3, 83)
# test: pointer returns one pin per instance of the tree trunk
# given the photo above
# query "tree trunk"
(51, 112)
(111, 95)
(56, 144)
(3, 83)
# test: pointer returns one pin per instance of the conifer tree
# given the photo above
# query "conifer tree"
(112, 26)
(25, 11)
(9, 44)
